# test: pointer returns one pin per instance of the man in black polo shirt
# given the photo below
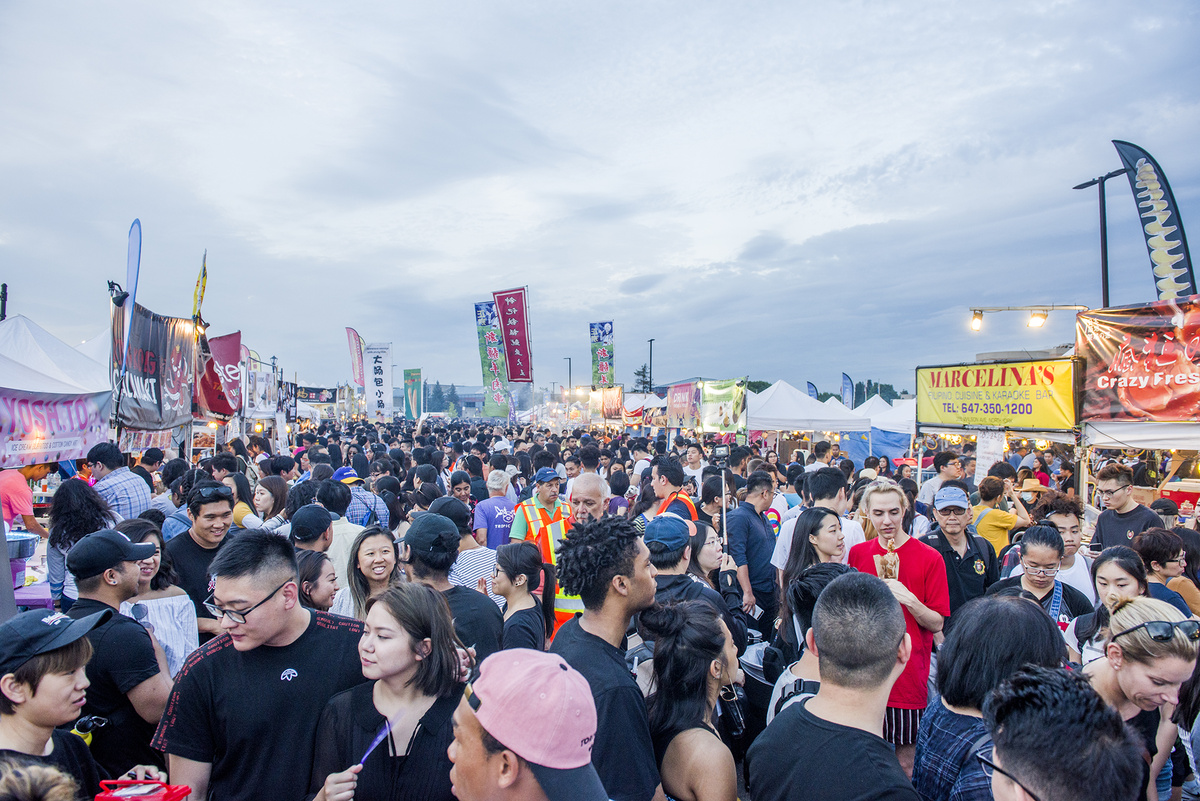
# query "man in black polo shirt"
(971, 563)
(128, 671)
(608, 566)
(210, 508)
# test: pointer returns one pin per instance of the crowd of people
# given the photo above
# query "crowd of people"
(461, 611)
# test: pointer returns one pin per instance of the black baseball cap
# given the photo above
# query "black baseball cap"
(453, 509)
(432, 533)
(310, 521)
(103, 549)
(30, 634)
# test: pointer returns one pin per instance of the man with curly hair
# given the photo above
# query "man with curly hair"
(606, 563)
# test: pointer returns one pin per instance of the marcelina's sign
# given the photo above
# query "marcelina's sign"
(1036, 395)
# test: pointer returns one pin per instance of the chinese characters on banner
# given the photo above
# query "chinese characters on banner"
(512, 314)
(601, 335)
(1143, 362)
(377, 363)
(492, 358)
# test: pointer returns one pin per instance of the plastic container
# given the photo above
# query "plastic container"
(20, 548)
(1185, 493)
(146, 790)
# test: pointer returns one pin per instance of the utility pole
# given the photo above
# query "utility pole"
(1103, 231)
(650, 377)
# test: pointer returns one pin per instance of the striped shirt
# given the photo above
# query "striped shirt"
(471, 566)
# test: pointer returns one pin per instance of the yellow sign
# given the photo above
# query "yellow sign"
(1032, 395)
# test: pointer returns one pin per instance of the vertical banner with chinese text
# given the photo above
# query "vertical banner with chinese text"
(601, 335)
(377, 363)
(491, 357)
(512, 313)
(412, 394)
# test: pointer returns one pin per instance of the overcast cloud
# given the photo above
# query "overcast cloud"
(785, 190)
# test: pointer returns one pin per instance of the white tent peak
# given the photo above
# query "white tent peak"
(34, 360)
(872, 406)
(782, 407)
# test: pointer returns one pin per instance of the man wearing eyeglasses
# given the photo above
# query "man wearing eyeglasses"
(210, 510)
(242, 718)
(971, 563)
(1123, 517)
(1055, 739)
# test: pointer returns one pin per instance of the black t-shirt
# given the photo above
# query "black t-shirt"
(191, 564)
(145, 474)
(477, 620)
(801, 756)
(253, 714)
(350, 723)
(479, 489)
(70, 755)
(967, 576)
(122, 658)
(525, 629)
(623, 753)
(1119, 529)
(1074, 603)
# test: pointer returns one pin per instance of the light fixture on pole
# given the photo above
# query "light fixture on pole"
(1037, 314)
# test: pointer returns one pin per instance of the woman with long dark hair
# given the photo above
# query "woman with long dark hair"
(388, 488)
(317, 579)
(409, 656)
(372, 569)
(816, 539)
(162, 604)
(76, 511)
(1118, 572)
(243, 514)
(270, 501)
(519, 572)
(694, 660)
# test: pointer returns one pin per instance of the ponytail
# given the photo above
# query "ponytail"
(548, 592)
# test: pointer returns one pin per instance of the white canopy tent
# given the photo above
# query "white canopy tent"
(900, 419)
(34, 360)
(782, 407)
(98, 348)
(307, 411)
(1138, 434)
(872, 406)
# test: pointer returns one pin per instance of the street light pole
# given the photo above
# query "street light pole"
(1103, 230)
(570, 383)
(650, 377)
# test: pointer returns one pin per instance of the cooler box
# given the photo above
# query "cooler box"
(1185, 493)
(20, 547)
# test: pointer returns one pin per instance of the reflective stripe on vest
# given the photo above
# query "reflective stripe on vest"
(545, 532)
(685, 500)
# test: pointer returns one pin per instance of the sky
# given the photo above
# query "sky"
(778, 190)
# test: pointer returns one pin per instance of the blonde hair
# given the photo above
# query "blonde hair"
(1138, 645)
(883, 486)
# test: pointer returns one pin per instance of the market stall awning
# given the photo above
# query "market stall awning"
(900, 419)
(1138, 434)
(34, 360)
(782, 407)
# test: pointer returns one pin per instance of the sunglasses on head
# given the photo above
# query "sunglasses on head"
(1163, 630)
(225, 493)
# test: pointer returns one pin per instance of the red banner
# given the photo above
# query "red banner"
(219, 390)
(356, 356)
(512, 314)
(1143, 362)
